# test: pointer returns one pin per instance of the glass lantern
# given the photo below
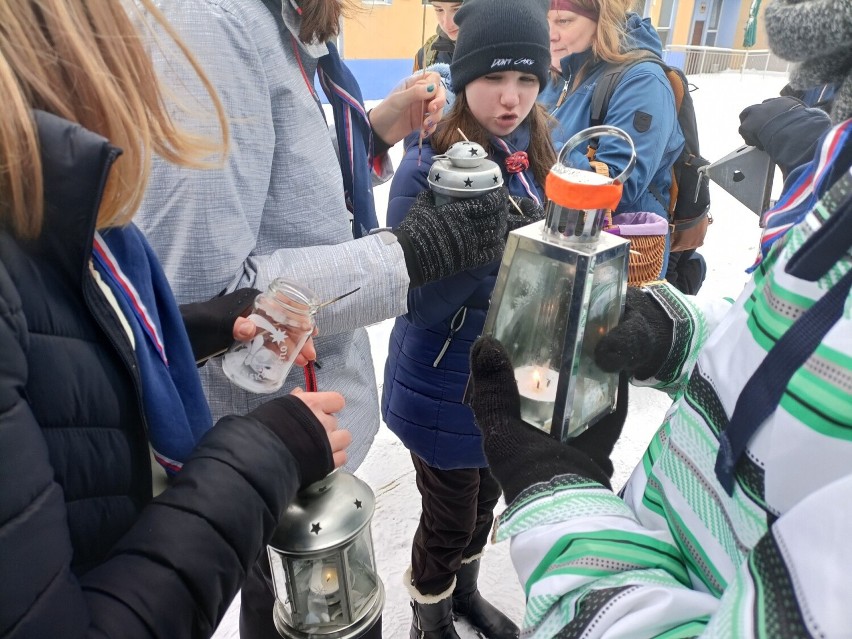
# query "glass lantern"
(561, 286)
(322, 562)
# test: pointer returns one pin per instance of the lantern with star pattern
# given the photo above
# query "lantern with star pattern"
(322, 562)
(463, 172)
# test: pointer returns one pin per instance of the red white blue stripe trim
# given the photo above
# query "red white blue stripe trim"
(802, 195)
(109, 264)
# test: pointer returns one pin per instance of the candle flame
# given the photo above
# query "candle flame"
(537, 379)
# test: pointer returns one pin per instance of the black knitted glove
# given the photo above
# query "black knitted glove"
(210, 324)
(532, 212)
(638, 345)
(439, 241)
(295, 425)
(518, 454)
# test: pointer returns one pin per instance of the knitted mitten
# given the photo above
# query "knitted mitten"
(518, 454)
(530, 212)
(640, 342)
(439, 241)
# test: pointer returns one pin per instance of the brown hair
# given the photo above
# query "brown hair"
(540, 151)
(83, 60)
(321, 18)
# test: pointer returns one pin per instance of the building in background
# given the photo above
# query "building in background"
(379, 39)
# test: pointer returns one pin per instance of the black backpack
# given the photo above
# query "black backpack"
(689, 209)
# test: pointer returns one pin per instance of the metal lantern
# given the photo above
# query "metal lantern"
(463, 172)
(561, 286)
(322, 562)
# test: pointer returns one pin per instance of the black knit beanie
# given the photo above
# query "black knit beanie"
(817, 35)
(501, 35)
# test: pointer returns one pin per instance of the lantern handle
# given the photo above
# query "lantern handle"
(596, 132)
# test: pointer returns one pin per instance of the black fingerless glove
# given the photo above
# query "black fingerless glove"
(518, 454)
(438, 241)
(295, 425)
(210, 324)
(530, 212)
(638, 345)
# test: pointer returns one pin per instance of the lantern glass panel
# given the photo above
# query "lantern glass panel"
(594, 389)
(316, 600)
(361, 573)
(531, 325)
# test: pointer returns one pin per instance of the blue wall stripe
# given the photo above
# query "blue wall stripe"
(376, 77)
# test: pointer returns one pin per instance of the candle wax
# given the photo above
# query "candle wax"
(537, 388)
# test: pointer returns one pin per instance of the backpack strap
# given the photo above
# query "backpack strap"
(606, 84)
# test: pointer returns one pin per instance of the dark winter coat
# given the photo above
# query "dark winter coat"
(427, 367)
(438, 49)
(85, 550)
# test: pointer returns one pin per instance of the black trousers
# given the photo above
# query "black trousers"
(258, 600)
(457, 513)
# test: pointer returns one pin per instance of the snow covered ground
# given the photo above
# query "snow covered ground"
(730, 247)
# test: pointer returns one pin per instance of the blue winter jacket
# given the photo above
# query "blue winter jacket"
(427, 367)
(642, 105)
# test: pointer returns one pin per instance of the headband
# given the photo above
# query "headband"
(573, 7)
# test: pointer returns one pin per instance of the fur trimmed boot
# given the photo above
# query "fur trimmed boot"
(432, 614)
(469, 603)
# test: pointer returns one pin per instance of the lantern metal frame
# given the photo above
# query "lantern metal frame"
(326, 521)
(585, 257)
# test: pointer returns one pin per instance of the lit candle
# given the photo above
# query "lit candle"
(330, 583)
(324, 580)
(537, 388)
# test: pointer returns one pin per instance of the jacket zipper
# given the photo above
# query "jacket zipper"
(455, 324)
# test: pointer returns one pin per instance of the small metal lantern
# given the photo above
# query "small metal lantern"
(463, 172)
(561, 287)
(322, 562)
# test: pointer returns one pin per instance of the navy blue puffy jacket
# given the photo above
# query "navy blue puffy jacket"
(424, 382)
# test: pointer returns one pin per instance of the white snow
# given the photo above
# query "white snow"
(730, 247)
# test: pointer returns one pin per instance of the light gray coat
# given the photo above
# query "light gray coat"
(277, 208)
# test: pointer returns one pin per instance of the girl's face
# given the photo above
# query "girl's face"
(569, 33)
(501, 101)
(445, 12)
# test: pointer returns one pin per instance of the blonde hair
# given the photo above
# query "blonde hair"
(610, 35)
(460, 120)
(84, 60)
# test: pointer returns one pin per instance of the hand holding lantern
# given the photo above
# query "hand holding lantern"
(560, 288)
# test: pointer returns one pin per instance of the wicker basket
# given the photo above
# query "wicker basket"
(647, 234)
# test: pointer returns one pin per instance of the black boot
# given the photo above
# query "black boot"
(433, 621)
(468, 603)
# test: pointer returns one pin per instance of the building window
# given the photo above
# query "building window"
(665, 21)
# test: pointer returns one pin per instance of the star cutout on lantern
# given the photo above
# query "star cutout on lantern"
(437, 177)
(468, 182)
(358, 504)
(316, 528)
(496, 179)
(473, 151)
